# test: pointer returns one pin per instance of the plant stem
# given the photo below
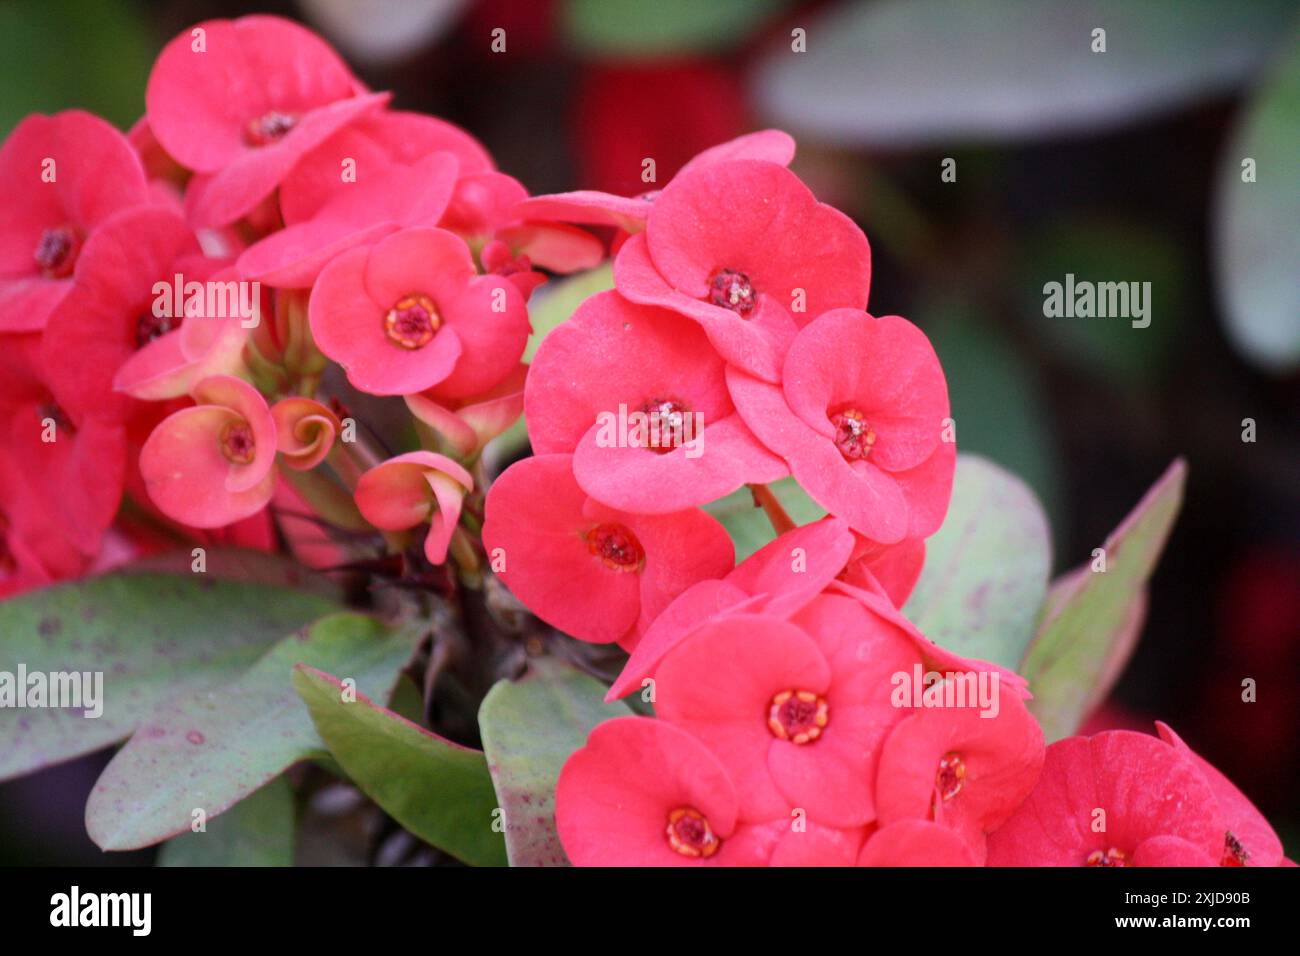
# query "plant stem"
(765, 499)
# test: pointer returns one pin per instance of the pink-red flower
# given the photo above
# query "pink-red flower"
(241, 101)
(640, 400)
(594, 572)
(410, 314)
(795, 710)
(643, 793)
(214, 463)
(860, 415)
(1248, 840)
(110, 315)
(1118, 798)
(744, 249)
(64, 175)
(964, 767)
(406, 491)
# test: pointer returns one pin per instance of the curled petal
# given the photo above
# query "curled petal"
(305, 430)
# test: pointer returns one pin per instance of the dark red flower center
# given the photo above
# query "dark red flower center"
(56, 252)
(1234, 854)
(616, 546)
(798, 716)
(237, 443)
(733, 290)
(667, 425)
(149, 327)
(950, 776)
(853, 435)
(1111, 857)
(269, 127)
(412, 322)
(690, 835)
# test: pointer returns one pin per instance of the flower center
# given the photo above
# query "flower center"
(950, 776)
(1111, 857)
(853, 436)
(56, 252)
(732, 290)
(268, 128)
(237, 443)
(616, 546)
(689, 833)
(798, 716)
(412, 321)
(668, 425)
(1234, 854)
(149, 327)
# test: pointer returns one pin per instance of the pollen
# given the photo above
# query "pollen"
(798, 716)
(690, 835)
(269, 127)
(412, 322)
(854, 437)
(733, 290)
(1111, 857)
(950, 776)
(668, 425)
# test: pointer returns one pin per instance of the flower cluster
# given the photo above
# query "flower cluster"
(800, 718)
(189, 312)
(171, 299)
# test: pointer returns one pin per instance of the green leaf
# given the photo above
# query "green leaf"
(242, 564)
(436, 789)
(748, 524)
(557, 300)
(255, 832)
(530, 727)
(60, 54)
(1091, 618)
(210, 748)
(906, 72)
(1257, 245)
(986, 569)
(152, 636)
(615, 28)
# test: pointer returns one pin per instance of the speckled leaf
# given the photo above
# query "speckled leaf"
(254, 832)
(1091, 618)
(211, 747)
(436, 789)
(986, 569)
(152, 636)
(530, 727)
